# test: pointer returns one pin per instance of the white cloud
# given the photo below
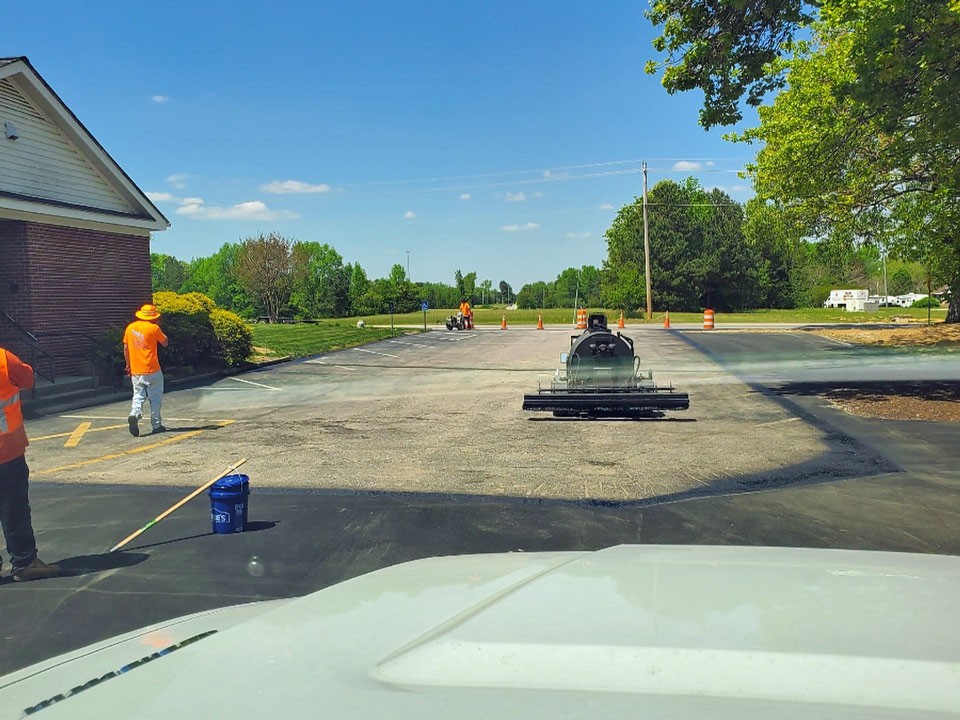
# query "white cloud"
(520, 228)
(283, 187)
(160, 98)
(731, 189)
(515, 197)
(465, 196)
(160, 196)
(178, 180)
(409, 215)
(606, 206)
(578, 236)
(550, 175)
(709, 163)
(538, 194)
(685, 165)
(251, 210)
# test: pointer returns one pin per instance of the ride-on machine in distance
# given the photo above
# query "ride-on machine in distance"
(601, 377)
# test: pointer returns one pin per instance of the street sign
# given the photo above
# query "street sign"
(424, 306)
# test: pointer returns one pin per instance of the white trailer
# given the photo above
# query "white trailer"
(906, 300)
(852, 300)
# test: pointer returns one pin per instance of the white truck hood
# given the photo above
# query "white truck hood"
(631, 631)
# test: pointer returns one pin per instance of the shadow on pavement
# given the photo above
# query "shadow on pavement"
(946, 390)
(613, 419)
(250, 527)
(191, 428)
(87, 564)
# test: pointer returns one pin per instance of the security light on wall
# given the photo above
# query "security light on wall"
(10, 130)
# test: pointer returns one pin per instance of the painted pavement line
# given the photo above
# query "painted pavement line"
(777, 422)
(66, 434)
(401, 342)
(251, 382)
(124, 417)
(374, 352)
(321, 362)
(77, 435)
(114, 456)
(125, 453)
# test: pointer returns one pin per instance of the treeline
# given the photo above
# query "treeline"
(709, 251)
(273, 277)
(706, 251)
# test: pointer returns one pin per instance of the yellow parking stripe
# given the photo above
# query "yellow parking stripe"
(77, 434)
(65, 434)
(114, 456)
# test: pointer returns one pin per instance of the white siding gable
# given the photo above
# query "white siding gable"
(43, 163)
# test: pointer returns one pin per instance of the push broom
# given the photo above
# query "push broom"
(229, 471)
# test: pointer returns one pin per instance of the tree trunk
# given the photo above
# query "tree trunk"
(953, 310)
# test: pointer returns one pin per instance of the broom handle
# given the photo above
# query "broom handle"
(229, 471)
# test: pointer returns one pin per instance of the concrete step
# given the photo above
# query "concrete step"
(72, 401)
(44, 389)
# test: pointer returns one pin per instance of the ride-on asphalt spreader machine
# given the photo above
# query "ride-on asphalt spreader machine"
(601, 377)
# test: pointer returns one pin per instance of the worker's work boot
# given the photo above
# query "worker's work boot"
(134, 427)
(37, 570)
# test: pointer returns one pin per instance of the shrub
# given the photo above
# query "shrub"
(107, 356)
(193, 343)
(189, 303)
(926, 302)
(233, 334)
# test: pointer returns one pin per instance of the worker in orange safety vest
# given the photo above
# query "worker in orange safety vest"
(15, 517)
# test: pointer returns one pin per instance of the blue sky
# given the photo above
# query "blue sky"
(500, 137)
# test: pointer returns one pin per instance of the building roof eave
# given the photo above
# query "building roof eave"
(41, 93)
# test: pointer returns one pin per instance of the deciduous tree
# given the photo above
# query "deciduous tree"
(265, 270)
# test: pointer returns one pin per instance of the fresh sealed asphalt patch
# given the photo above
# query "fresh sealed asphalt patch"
(892, 485)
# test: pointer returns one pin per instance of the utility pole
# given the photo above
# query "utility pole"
(646, 248)
(576, 300)
(408, 265)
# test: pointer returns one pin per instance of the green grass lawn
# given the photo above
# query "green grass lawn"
(302, 339)
(555, 316)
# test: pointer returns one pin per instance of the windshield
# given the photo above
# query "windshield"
(306, 291)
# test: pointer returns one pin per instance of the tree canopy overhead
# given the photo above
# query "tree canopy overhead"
(862, 142)
(724, 48)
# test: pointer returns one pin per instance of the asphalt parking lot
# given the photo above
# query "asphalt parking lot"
(417, 447)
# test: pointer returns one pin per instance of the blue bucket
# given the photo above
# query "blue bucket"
(228, 503)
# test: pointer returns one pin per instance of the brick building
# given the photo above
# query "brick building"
(74, 229)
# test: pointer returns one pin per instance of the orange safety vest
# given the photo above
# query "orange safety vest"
(11, 415)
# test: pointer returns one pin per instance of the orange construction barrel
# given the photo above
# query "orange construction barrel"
(581, 319)
(708, 319)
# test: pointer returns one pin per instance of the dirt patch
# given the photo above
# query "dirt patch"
(935, 402)
(938, 334)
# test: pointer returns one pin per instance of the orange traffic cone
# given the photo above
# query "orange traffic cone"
(539, 322)
(620, 323)
(503, 323)
(666, 319)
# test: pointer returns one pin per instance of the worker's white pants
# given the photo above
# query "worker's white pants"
(148, 387)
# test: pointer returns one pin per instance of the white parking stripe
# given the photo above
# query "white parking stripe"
(401, 342)
(251, 382)
(374, 352)
(318, 361)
